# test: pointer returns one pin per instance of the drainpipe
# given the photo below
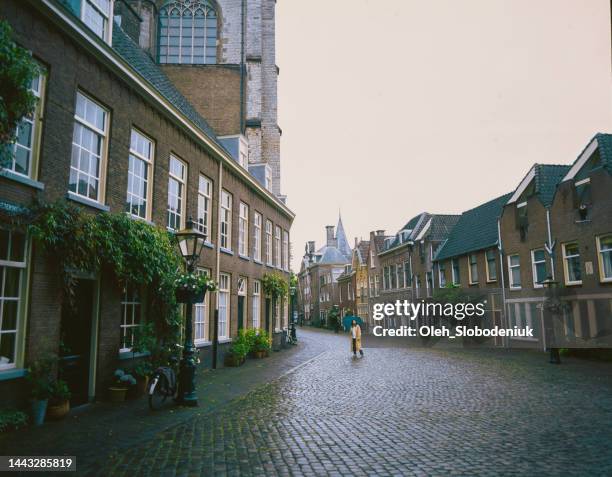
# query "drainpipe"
(215, 342)
(503, 282)
(242, 68)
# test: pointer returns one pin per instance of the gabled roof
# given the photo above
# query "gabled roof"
(362, 251)
(545, 178)
(475, 230)
(441, 226)
(331, 255)
(601, 142)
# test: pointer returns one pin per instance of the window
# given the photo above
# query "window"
(130, 316)
(571, 264)
(243, 230)
(455, 272)
(491, 266)
(277, 246)
(393, 277)
(407, 274)
(604, 249)
(224, 305)
(277, 315)
(417, 284)
(400, 275)
(140, 167)
(176, 193)
(377, 285)
(257, 236)
(96, 14)
(371, 284)
(256, 303)
(204, 201)
(87, 163)
(27, 145)
(473, 268)
(285, 250)
(538, 264)
(187, 33)
(12, 266)
(514, 271)
(429, 283)
(442, 274)
(200, 320)
(269, 242)
(225, 220)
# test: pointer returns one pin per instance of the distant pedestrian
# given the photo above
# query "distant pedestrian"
(356, 338)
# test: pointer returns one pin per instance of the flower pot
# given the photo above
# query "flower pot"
(233, 361)
(58, 411)
(117, 394)
(140, 389)
(184, 295)
(259, 354)
(39, 409)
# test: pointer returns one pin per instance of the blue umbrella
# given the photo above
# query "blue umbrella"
(347, 320)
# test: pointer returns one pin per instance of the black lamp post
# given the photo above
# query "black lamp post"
(551, 304)
(293, 321)
(190, 242)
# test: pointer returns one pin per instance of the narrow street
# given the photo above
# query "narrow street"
(397, 411)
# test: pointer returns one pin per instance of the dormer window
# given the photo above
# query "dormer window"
(582, 198)
(187, 33)
(96, 15)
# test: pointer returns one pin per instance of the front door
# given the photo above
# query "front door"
(75, 345)
(240, 312)
(268, 313)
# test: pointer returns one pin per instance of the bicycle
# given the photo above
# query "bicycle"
(163, 384)
(290, 335)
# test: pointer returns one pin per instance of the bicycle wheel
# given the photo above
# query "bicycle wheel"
(158, 391)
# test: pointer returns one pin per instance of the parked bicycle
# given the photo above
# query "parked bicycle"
(163, 384)
(290, 335)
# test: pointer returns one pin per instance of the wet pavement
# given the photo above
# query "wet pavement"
(400, 410)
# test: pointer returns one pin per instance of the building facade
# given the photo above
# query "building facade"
(113, 134)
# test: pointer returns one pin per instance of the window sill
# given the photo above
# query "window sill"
(88, 202)
(224, 340)
(141, 219)
(258, 262)
(11, 373)
(202, 344)
(520, 338)
(474, 284)
(244, 257)
(491, 281)
(209, 245)
(22, 179)
(227, 251)
(516, 288)
(573, 284)
(129, 355)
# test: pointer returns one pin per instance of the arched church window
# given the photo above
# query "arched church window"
(187, 33)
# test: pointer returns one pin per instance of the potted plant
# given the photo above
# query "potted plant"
(191, 287)
(141, 372)
(122, 382)
(40, 379)
(237, 353)
(261, 344)
(143, 347)
(59, 400)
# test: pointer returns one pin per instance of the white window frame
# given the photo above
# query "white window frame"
(149, 164)
(103, 158)
(256, 304)
(566, 259)
(243, 230)
(107, 24)
(224, 294)
(456, 279)
(441, 275)
(534, 264)
(269, 243)
(202, 315)
(225, 220)
(136, 322)
(6, 263)
(35, 122)
(377, 285)
(511, 283)
(488, 268)
(285, 250)
(277, 247)
(205, 191)
(182, 194)
(257, 229)
(600, 258)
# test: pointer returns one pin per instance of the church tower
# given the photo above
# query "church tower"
(341, 241)
(221, 55)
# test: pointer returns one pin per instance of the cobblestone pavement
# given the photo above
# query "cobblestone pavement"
(398, 411)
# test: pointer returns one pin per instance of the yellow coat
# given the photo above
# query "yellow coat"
(357, 339)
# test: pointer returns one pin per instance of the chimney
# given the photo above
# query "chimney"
(356, 242)
(330, 236)
(311, 246)
(380, 233)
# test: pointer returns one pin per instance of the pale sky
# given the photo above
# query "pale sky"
(393, 107)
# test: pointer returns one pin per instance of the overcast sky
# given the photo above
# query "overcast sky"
(392, 107)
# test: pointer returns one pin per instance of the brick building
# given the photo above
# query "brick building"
(353, 283)
(113, 133)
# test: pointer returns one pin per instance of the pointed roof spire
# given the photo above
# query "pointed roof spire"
(342, 242)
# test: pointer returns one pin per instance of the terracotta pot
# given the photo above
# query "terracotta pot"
(117, 394)
(260, 354)
(58, 411)
(233, 361)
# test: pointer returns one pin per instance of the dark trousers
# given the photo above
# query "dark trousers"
(354, 345)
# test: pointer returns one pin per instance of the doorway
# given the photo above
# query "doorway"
(75, 341)
(240, 312)
(268, 313)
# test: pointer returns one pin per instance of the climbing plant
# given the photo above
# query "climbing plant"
(17, 69)
(275, 285)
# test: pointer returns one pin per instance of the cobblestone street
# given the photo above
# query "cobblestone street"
(400, 412)
(397, 411)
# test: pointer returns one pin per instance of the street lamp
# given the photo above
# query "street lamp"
(190, 242)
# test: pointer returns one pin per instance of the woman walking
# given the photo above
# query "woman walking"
(356, 338)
